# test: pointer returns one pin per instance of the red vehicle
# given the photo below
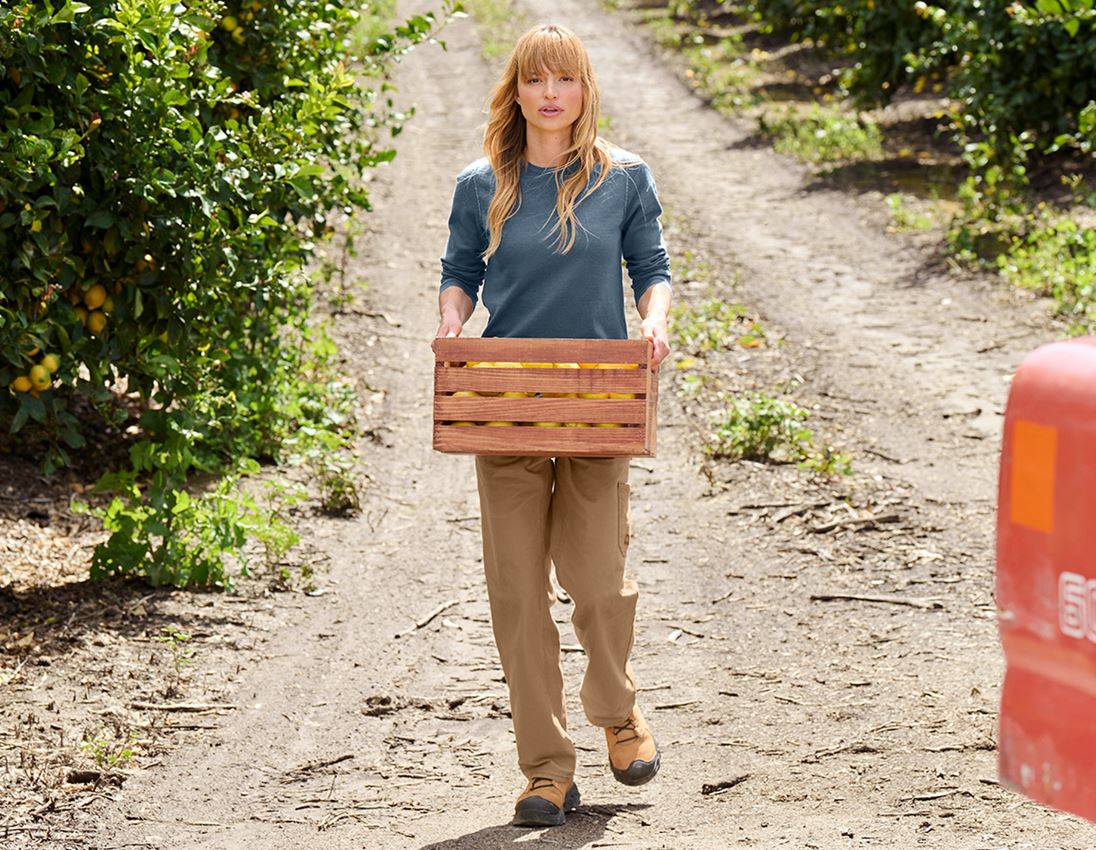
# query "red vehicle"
(1046, 578)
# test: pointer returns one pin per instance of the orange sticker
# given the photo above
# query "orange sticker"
(1034, 451)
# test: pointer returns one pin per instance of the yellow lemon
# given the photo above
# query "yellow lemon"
(96, 322)
(95, 297)
(40, 378)
(21, 384)
(538, 365)
(607, 425)
(464, 394)
(82, 314)
(576, 424)
(52, 362)
(515, 394)
(498, 423)
(622, 395)
(547, 424)
(229, 23)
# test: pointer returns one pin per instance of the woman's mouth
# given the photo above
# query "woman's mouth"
(550, 110)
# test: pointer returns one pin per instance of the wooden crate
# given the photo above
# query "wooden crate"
(606, 426)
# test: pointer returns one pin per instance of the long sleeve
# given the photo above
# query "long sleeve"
(642, 244)
(462, 264)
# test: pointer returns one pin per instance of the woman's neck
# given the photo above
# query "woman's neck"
(546, 149)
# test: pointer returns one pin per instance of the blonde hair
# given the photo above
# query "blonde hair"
(544, 48)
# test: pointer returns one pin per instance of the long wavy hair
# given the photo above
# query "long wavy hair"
(555, 49)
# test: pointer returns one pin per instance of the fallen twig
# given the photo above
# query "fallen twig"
(316, 765)
(425, 621)
(853, 747)
(668, 705)
(710, 790)
(854, 522)
(924, 604)
(181, 706)
(374, 314)
(795, 510)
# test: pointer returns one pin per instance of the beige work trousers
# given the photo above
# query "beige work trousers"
(572, 512)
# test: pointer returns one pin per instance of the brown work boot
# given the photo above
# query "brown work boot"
(633, 753)
(545, 802)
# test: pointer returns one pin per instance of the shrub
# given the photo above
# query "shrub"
(166, 170)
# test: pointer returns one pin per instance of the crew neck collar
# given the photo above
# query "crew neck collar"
(545, 169)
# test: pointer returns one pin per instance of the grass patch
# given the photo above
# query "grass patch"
(822, 135)
(714, 325)
(1057, 257)
(904, 218)
(772, 430)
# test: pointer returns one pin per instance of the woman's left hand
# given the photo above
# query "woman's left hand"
(653, 327)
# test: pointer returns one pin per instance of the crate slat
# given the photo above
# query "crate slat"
(456, 378)
(620, 411)
(504, 349)
(551, 442)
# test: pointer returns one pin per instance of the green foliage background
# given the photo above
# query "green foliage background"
(182, 159)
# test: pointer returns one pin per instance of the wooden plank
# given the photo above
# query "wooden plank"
(447, 408)
(550, 442)
(651, 427)
(498, 349)
(453, 379)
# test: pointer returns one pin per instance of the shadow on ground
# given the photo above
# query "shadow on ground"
(585, 825)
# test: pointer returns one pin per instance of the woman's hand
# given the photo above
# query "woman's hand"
(654, 328)
(654, 306)
(455, 307)
(450, 326)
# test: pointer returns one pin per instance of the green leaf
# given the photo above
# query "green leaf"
(67, 13)
(19, 420)
(101, 219)
(182, 502)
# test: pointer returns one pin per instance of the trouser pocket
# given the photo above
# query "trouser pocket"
(623, 525)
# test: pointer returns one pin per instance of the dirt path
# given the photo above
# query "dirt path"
(856, 725)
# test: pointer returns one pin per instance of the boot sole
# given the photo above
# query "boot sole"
(536, 811)
(638, 772)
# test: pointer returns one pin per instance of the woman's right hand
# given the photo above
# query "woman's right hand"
(450, 326)
(455, 308)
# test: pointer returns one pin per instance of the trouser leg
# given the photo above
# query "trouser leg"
(589, 544)
(515, 507)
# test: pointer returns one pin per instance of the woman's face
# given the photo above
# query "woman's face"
(550, 101)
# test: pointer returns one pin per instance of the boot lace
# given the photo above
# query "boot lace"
(627, 725)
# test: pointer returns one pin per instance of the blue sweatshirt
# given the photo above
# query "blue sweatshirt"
(531, 290)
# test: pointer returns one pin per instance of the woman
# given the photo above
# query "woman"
(542, 223)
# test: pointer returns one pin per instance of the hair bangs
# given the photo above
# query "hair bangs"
(552, 50)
